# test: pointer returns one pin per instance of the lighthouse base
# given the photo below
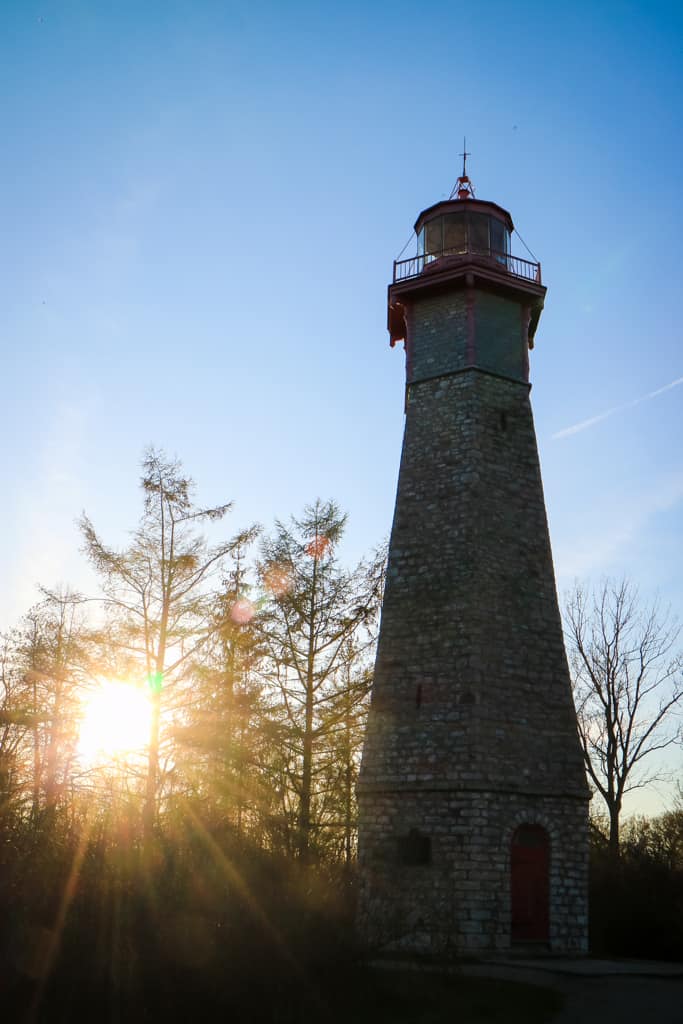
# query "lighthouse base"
(464, 873)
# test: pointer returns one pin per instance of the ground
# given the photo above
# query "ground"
(599, 991)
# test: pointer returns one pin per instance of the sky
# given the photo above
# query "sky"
(200, 205)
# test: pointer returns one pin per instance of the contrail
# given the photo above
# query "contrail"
(576, 428)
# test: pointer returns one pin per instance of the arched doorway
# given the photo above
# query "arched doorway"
(530, 884)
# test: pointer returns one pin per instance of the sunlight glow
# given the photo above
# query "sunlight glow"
(115, 723)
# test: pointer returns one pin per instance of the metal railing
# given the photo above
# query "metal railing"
(514, 265)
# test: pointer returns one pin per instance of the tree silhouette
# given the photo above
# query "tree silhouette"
(627, 684)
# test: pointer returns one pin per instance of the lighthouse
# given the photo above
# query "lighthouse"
(472, 793)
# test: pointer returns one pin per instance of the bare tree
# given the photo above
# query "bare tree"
(627, 685)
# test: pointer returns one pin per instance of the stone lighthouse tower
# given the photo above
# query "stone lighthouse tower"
(472, 793)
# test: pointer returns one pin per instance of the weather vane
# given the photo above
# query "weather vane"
(463, 186)
(464, 156)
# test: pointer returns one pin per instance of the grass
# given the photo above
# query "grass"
(180, 937)
(351, 996)
(423, 997)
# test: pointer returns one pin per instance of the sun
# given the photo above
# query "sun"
(115, 723)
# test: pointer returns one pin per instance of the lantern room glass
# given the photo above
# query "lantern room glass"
(453, 234)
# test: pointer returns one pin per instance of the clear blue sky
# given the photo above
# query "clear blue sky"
(200, 205)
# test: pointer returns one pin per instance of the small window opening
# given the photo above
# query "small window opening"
(415, 848)
(503, 421)
(418, 695)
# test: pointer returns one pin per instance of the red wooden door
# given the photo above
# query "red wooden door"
(530, 884)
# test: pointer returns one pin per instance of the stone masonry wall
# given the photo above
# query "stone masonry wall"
(472, 729)
(459, 902)
(435, 325)
(470, 612)
(449, 331)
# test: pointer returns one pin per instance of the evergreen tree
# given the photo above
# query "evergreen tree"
(316, 627)
(161, 592)
(46, 670)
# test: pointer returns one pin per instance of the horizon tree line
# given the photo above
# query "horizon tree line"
(256, 654)
(257, 702)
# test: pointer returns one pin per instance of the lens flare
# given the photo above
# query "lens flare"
(242, 611)
(155, 681)
(317, 547)
(277, 579)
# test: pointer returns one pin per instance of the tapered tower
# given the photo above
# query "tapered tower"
(472, 793)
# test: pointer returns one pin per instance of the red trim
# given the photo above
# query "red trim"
(471, 351)
(525, 319)
(452, 205)
(408, 342)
